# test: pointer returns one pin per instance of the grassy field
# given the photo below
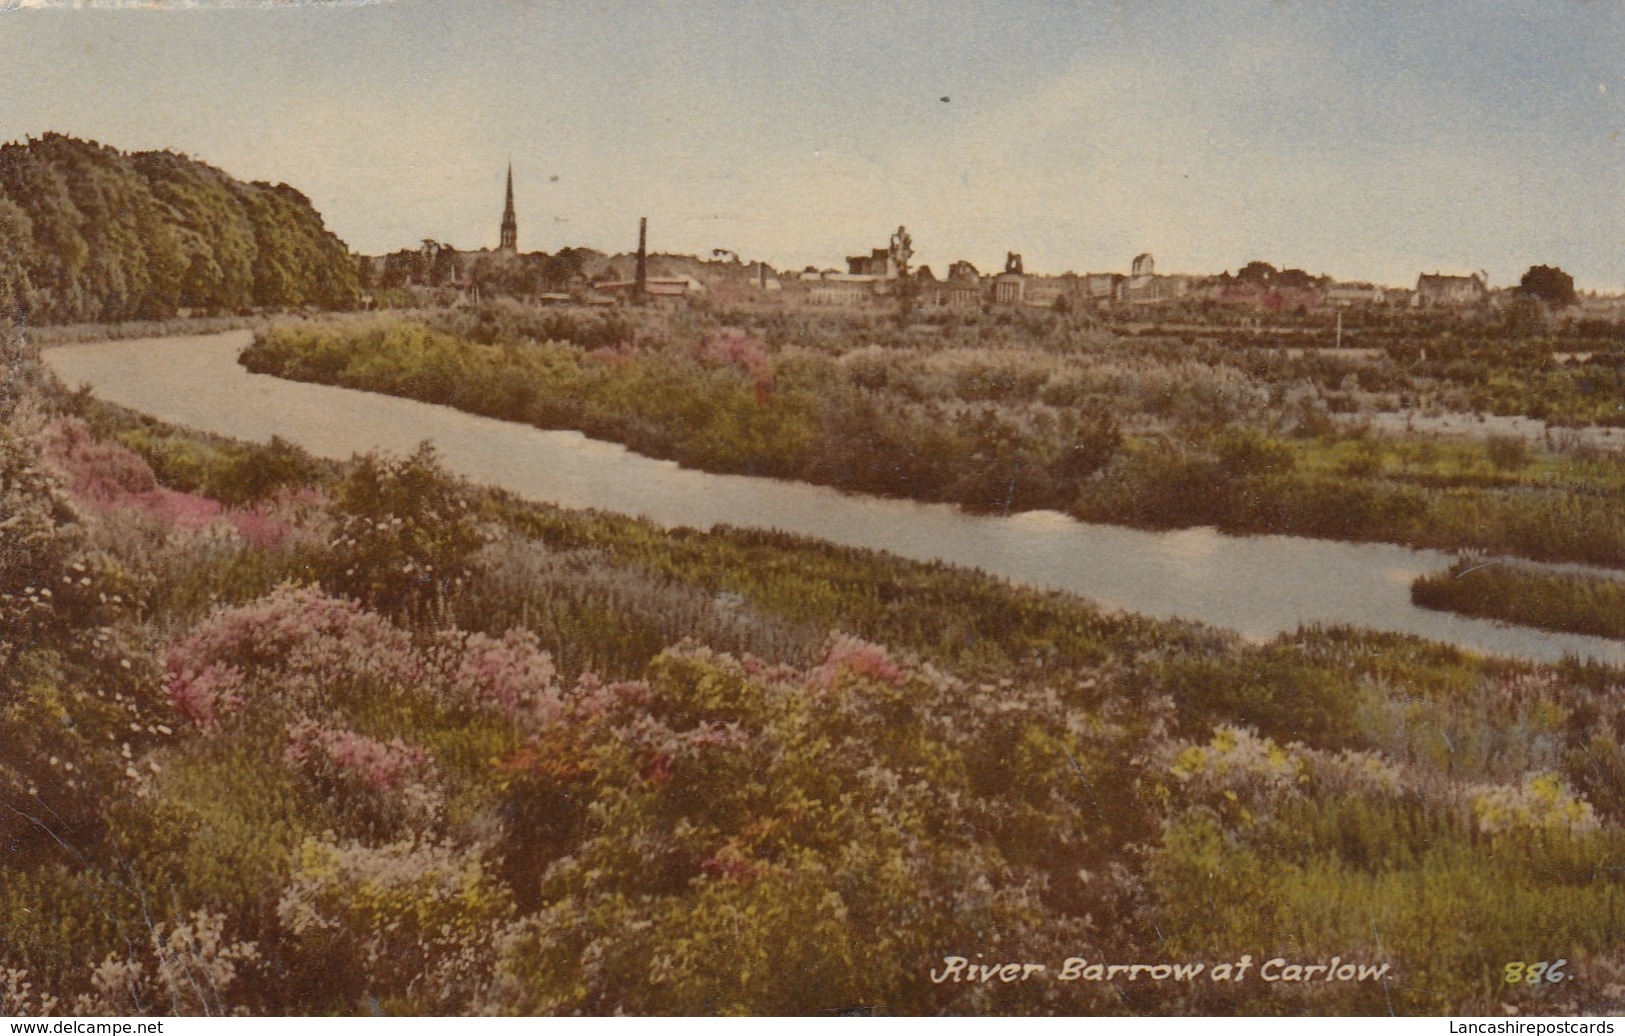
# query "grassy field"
(289, 737)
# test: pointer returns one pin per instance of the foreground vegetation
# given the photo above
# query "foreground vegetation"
(1564, 602)
(285, 737)
(998, 417)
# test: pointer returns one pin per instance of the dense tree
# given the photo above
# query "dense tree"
(1295, 278)
(1257, 271)
(563, 268)
(16, 231)
(1549, 284)
(91, 233)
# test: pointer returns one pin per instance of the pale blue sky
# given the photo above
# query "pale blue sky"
(1364, 139)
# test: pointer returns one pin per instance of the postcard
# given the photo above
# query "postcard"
(534, 508)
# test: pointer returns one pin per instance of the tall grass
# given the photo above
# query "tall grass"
(1511, 593)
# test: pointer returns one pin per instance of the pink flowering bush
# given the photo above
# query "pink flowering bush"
(302, 647)
(259, 527)
(105, 476)
(846, 655)
(297, 645)
(95, 470)
(510, 674)
(733, 348)
(380, 765)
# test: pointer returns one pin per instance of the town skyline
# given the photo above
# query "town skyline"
(1371, 143)
(508, 244)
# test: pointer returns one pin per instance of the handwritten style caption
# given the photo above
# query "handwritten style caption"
(1079, 969)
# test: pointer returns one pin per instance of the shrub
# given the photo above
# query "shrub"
(328, 749)
(1541, 802)
(297, 647)
(510, 674)
(36, 539)
(405, 534)
(1508, 452)
(411, 926)
(187, 968)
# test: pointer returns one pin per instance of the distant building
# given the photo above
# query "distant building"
(878, 263)
(1149, 289)
(1435, 289)
(1356, 294)
(1141, 285)
(1010, 287)
(653, 288)
(960, 291)
(765, 281)
(1094, 286)
(842, 289)
(885, 264)
(1047, 292)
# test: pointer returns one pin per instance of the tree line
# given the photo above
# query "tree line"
(438, 265)
(90, 233)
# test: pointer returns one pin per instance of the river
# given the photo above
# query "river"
(1257, 585)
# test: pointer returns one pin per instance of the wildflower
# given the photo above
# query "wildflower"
(302, 641)
(381, 765)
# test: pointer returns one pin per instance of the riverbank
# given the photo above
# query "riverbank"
(525, 753)
(1259, 585)
(1156, 441)
(1565, 602)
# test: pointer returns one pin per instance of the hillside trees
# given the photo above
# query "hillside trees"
(91, 233)
(16, 230)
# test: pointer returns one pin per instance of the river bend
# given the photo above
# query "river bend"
(1258, 585)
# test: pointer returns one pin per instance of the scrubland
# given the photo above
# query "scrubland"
(291, 737)
(1016, 411)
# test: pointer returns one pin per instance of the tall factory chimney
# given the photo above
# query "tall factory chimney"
(643, 256)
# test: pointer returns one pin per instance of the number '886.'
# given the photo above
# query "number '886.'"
(1520, 973)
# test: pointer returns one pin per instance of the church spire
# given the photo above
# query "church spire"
(510, 225)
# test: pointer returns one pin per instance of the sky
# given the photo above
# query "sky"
(1366, 139)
